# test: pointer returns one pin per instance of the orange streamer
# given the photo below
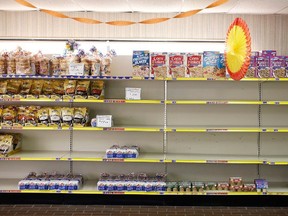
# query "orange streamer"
(86, 20)
(187, 14)
(54, 13)
(121, 22)
(25, 3)
(154, 21)
(217, 3)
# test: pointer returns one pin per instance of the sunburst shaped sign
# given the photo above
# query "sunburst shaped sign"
(238, 49)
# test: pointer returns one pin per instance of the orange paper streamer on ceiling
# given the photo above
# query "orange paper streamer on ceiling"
(121, 22)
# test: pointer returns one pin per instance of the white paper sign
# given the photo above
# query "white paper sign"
(76, 69)
(133, 93)
(104, 121)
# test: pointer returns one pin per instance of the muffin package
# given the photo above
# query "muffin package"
(141, 63)
(177, 67)
(194, 65)
(159, 65)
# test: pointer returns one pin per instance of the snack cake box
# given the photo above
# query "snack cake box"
(177, 66)
(277, 65)
(269, 53)
(159, 64)
(210, 64)
(263, 67)
(141, 63)
(194, 65)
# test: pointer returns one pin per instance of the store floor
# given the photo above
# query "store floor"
(89, 210)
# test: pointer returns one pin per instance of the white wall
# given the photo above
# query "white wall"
(267, 31)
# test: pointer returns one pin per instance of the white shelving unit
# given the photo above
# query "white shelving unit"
(193, 129)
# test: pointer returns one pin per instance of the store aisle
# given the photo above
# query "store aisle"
(89, 210)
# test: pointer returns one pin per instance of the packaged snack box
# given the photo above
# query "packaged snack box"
(141, 63)
(194, 65)
(278, 66)
(235, 181)
(177, 66)
(159, 65)
(251, 72)
(268, 53)
(263, 67)
(286, 65)
(210, 64)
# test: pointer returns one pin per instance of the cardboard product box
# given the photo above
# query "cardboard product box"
(263, 67)
(268, 53)
(252, 70)
(141, 63)
(159, 65)
(277, 64)
(210, 64)
(194, 65)
(177, 67)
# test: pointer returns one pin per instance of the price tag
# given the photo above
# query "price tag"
(104, 121)
(133, 93)
(76, 69)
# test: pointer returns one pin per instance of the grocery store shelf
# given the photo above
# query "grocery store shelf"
(89, 187)
(199, 102)
(78, 77)
(100, 157)
(36, 156)
(37, 128)
(122, 128)
(135, 78)
(153, 129)
(94, 156)
(80, 100)
(225, 129)
(232, 102)
(218, 159)
(227, 79)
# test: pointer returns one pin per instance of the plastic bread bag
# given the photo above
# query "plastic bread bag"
(9, 115)
(41, 64)
(80, 116)
(58, 87)
(22, 115)
(82, 87)
(55, 66)
(3, 87)
(69, 87)
(55, 115)
(106, 63)
(43, 115)
(36, 88)
(95, 61)
(47, 87)
(67, 115)
(24, 62)
(63, 66)
(87, 65)
(97, 89)
(3, 63)
(31, 115)
(26, 85)
(1, 113)
(13, 87)
(11, 64)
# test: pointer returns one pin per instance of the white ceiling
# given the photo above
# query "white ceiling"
(151, 6)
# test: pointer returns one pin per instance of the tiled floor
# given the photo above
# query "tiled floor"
(89, 210)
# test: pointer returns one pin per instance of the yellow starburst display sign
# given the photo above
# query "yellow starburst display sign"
(238, 49)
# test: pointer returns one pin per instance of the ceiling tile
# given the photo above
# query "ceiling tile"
(259, 6)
